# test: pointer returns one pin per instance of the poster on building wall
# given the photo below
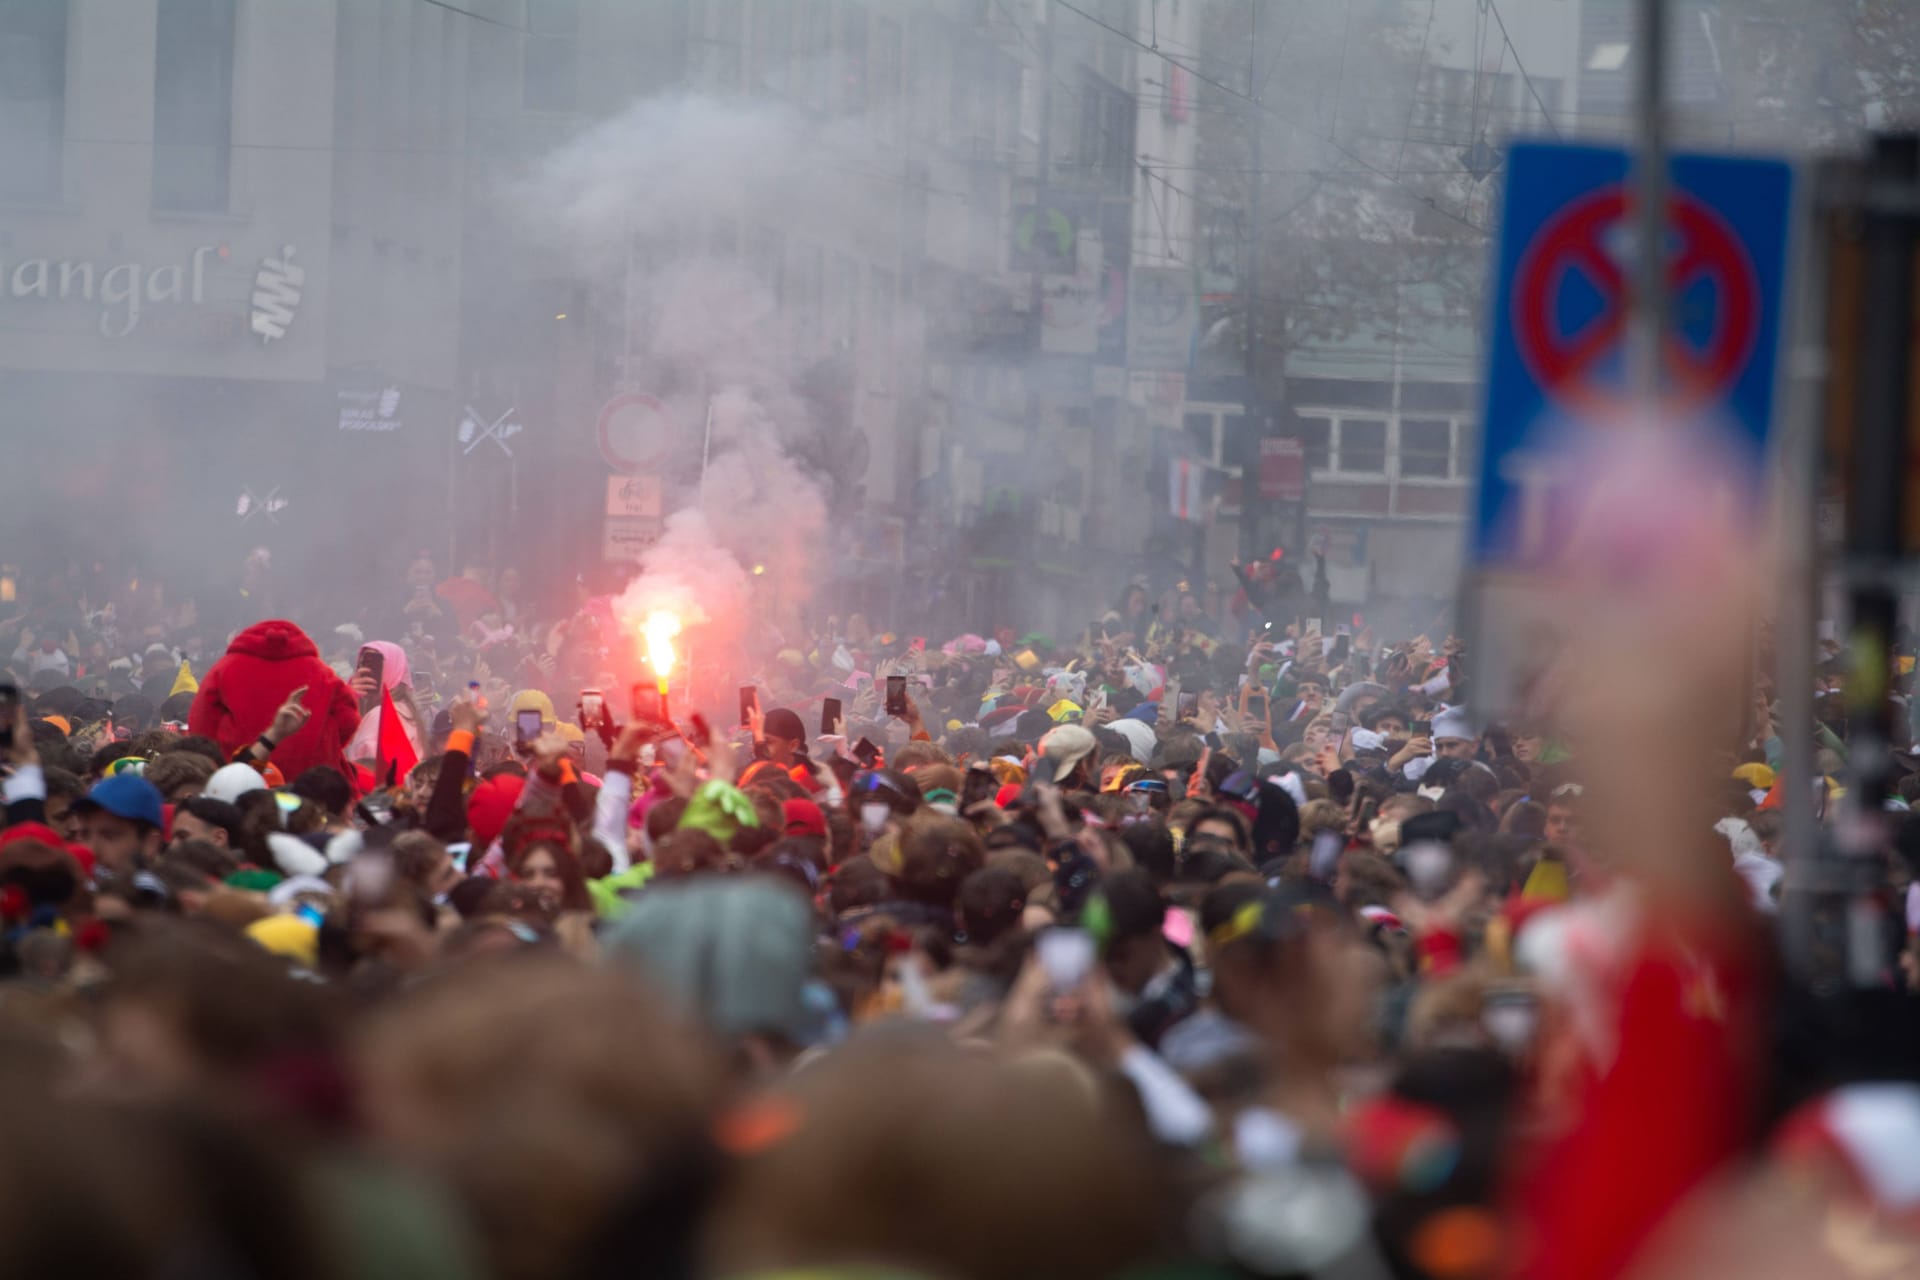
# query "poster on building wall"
(1160, 319)
(1283, 470)
(1070, 314)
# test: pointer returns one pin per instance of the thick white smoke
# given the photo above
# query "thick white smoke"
(624, 204)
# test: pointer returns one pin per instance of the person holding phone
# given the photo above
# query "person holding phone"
(530, 700)
(383, 669)
(782, 738)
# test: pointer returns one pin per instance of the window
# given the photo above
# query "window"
(550, 67)
(33, 95)
(193, 105)
(960, 87)
(1316, 434)
(886, 78)
(846, 293)
(853, 60)
(772, 45)
(716, 43)
(880, 326)
(1362, 446)
(1466, 450)
(1199, 429)
(1425, 444)
(766, 254)
(815, 51)
(1233, 439)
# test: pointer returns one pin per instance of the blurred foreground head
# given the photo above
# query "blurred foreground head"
(735, 953)
(903, 1150)
(563, 1105)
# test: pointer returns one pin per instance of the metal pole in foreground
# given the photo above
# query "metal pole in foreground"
(1649, 317)
(1797, 495)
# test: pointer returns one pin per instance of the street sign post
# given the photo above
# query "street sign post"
(635, 432)
(1558, 375)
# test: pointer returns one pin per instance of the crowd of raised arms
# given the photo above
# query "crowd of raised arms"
(1218, 938)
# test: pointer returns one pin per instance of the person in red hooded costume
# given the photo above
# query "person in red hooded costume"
(264, 664)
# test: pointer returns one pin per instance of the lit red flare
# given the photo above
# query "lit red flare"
(659, 629)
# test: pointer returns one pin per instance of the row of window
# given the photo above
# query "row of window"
(1415, 448)
(1403, 446)
(192, 102)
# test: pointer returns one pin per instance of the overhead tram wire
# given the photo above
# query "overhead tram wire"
(1526, 79)
(478, 17)
(1413, 98)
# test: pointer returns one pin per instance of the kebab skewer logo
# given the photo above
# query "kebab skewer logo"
(277, 289)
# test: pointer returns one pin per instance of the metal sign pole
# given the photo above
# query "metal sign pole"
(1649, 323)
(1798, 496)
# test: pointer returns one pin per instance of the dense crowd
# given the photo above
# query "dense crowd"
(1216, 939)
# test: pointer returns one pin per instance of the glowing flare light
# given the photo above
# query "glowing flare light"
(659, 629)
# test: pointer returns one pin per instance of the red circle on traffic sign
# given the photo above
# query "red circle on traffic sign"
(635, 432)
(1575, 241)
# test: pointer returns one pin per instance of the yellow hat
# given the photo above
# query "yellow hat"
(1064, 708)
(183, 681)
(533, 700)
(571, 732)
(1757, 776)
(288, 936)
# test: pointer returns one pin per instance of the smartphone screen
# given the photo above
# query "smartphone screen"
(593, 705)
(896, 695)
(699, 733)
(1421, 728)
(1189, 705)
(1065, 955)
(829, 716)
(1342, 646)
(866, 753)
(374, 663)
(9, 707)
(649, 704)
(526, 725)
(749, 699)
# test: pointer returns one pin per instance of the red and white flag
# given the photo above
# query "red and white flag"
(1188, 490)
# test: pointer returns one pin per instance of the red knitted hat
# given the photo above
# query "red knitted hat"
(490, 805)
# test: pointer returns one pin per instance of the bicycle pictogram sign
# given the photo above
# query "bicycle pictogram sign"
(1710, 266)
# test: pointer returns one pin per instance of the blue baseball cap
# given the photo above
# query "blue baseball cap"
(126, 795)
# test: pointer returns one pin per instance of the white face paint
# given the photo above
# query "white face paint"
(874, 815)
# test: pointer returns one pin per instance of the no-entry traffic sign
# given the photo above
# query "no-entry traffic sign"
(1556, 356)
(635, 430)
(1571, 365)
(1557, 377)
